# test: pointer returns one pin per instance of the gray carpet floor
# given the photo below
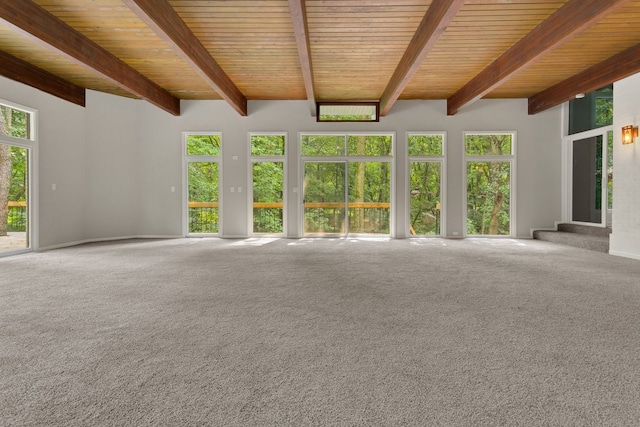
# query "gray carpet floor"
(313, 332)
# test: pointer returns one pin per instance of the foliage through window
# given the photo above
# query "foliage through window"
(267, 145)
(203, 172)
(426, 156)
(488, 145)
(347, 183)
(203, 145)
(425, 145)
(347, 112)
(352, 144)
(489, 183)
(267, 151)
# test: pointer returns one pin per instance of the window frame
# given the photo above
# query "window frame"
(442, 159)
(512, 180)
(346, 158)
(270, 158)
(186, 159)
(30, 144)
(375, 104)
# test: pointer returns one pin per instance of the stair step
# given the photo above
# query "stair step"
(591, 242)
(585, 229)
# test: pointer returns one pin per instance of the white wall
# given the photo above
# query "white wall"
(115, 161)
(112, 199)
(625, 238)
(61, 149)
(160, 166)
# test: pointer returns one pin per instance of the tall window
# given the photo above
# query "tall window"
(202, 164)
(267, 176)
(347, 183)
(589, 165)
(17, 144)
(490, 163)
(426, 172)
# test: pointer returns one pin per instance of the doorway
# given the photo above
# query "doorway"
(591, 178)
(346, 197)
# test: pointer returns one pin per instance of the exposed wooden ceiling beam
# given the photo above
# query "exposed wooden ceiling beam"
(617, 67)
(570, 19)
(23, 72)
(434, 23)
(40, 25)
(167, 24)
(298, 13)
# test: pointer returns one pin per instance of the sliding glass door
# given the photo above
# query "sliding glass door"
(325, 198)
(347, 184)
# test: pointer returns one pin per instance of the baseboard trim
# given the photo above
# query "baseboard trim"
(103, 239)
(624, 254)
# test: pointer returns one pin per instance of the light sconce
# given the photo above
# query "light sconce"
(629, 133)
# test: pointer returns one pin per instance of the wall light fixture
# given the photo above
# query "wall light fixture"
(629, 133)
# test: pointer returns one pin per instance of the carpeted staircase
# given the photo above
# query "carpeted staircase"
(579, 236)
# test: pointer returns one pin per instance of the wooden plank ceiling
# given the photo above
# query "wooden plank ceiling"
(322, 50)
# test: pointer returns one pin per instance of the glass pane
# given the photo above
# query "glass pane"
(363, 145)
(322, 145)
(604, 111)
(424, 214)
(347, 112)
(203, 197)
(324, 198)
(425, 145)
(203, 145)
(268, 188)
(369, 197)
(592, 111)
(586, 197)
(488, 198)
(267, 145)
(14, 122)
(488, 145)
(14, 194)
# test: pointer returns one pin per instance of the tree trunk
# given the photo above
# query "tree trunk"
(5, 169)
(494, 222)
(358, 218)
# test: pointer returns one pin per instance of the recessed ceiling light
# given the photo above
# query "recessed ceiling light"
(579, 95)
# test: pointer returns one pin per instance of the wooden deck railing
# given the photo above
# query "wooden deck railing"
(17, 204)
(310, 205)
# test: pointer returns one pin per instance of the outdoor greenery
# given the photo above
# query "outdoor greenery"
(268, 182)
(203, 145)
(13, 170)
(203, 184)
(366, 185)
(425, 204)
(425, 183)
(425, 145)
(488, 184)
